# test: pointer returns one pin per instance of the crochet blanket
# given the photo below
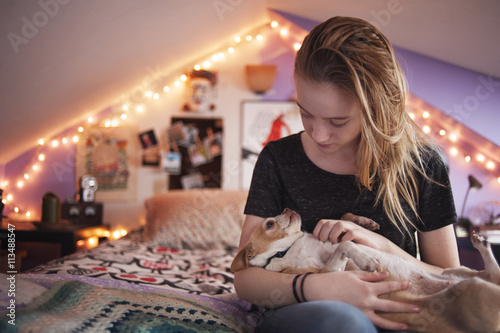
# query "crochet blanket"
(96, 305)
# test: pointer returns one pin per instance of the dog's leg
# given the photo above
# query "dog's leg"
(491, 270)
(349, 250)
(361, 221)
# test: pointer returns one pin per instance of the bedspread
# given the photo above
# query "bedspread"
(129, 286)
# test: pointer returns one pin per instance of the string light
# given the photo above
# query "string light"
(150, 94)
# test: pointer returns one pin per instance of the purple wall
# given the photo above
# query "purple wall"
(469, 97)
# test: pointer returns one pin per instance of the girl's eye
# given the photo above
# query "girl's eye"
(269, 224)
(304, 114)
(339, 125)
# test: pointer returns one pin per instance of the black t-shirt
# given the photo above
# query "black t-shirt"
(284, 177)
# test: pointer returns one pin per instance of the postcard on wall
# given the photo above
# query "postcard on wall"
(111, 155)
(263, 122)
(171, 162)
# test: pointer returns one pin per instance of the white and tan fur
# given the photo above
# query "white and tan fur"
(459, 300)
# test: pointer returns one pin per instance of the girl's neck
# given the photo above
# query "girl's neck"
(341, 161)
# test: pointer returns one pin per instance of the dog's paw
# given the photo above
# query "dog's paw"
(479, 241)
(369, 264)
(361, 221)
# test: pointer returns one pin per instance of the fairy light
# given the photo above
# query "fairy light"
(80, 129)
(148, 94)
(167, 88)
(125, 107)
(54, 143)
(26, 176)
(237, 39)
(248, 38)
(64, 140)
(442, 132)
(41, 157)
(490, 165)
(454, 151)
(453, 137)
(480, 158)
(90, 120)
(467, 159)
(139, 108)
(297, 46)
(426, 129)
(41, 142)
(425, 115)
(283, 32)
(274, 24)
(230, 50)
(75, 138)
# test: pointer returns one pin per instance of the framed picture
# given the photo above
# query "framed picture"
(110, 155)
(264, 121)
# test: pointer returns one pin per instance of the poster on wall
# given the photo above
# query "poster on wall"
(198, 141)
(264, 121)
(110, 154)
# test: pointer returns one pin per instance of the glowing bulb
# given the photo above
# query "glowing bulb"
(80, 129)
(426, 129)
(116, 234)
(9, 197)
(221, 55)
(283, 32)
(26, 176)
(28, 214)
(184, 77)
(41, 157)
(156, 96)
(274, 24)
(75, 138)
(215, 57)
(248, 38)
(442, 132)
(20, 184)
(412, 115)
(425, 115)
(229, 50)
(123, 232)
(107, 123)
(64, 140)
(166, 89)
(480, 158)
(90, 119)
(35, 167)
(453, 137)
(123, 116)
(139, 108)
(467, 158)
(490, 165)
(114, 123)
(125, 107)
(148, 94)
(259, 37)
(177, 83)
(237, 39)
(55, 143)
(197, 67)
(207, 64)
(41, 142)
(498, 179)
(454, 151)
(92, 241)
(16, 209)
(296, 46)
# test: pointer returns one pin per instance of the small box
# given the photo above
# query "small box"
(82, 213)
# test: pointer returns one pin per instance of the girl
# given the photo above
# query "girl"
(360, 153)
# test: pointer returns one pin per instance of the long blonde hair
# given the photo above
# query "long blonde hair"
(353, 55)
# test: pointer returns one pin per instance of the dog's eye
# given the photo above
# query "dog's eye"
(269, 224)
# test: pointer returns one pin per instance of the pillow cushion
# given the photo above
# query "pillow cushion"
(195, 219)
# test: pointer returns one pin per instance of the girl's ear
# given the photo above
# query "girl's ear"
(240, 261)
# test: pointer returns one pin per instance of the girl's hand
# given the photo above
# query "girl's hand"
(359, 289)
(340, 231)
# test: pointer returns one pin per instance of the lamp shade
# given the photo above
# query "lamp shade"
(260, 78)
(474, 184)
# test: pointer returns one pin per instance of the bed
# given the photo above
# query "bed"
(172, 275)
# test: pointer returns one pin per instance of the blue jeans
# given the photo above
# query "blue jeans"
(317, 317)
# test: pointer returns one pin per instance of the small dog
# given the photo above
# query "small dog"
(459, 300)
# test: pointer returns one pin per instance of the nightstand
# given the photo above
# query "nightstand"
(66, 235)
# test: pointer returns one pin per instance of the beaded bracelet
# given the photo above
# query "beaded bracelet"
(302, 285)
(294, 287)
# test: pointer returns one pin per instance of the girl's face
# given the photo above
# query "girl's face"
(331, 117)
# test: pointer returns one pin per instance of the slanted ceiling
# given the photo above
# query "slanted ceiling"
(62, 60)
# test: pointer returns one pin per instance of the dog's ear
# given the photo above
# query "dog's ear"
(240, 261)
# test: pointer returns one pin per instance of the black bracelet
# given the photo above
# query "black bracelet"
(294, 287)
(302, 285)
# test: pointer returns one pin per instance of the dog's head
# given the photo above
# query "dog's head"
(273, 235)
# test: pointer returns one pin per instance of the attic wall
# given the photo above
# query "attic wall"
(58, 173)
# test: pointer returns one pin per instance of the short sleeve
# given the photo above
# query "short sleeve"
(264, 196)
(436, 203)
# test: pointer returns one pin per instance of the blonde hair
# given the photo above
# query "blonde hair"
(353, 55)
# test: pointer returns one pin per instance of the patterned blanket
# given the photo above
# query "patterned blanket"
(80, 306)
(128, 286)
